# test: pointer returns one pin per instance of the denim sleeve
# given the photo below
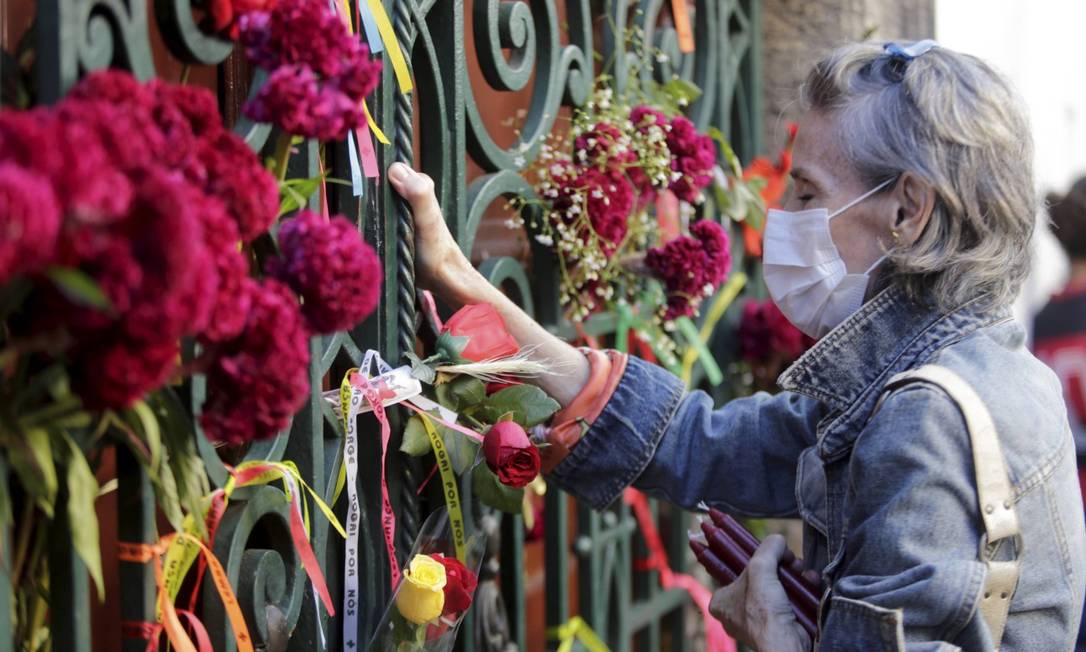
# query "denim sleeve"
(909, 578)
(671, 443)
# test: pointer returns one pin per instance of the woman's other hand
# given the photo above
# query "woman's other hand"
(439, 263)
(755, 609)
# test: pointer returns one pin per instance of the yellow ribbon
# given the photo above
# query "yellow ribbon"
(381, 137)
(720, 305)
(448, 487)
(183, 551)
(392, 46)
(576, 629)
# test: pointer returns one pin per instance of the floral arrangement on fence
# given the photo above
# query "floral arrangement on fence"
(474, 373)
(435, 593)
(616, 202)
(137, 250)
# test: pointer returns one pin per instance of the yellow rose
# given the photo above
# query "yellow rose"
(421, 597)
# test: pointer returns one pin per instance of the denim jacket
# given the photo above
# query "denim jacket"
(888, 497)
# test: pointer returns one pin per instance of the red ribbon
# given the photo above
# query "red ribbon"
(716, 640)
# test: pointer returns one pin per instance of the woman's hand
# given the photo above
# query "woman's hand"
(439, 263)
(440, 266)
(755, 609)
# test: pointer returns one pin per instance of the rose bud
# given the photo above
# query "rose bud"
(460, 585)
(510, 454)
(485, 329)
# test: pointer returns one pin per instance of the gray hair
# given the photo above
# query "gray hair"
(951, 119)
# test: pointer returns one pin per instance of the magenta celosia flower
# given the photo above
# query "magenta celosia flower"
(294, 100)
(765, 331)
(605, 196)
(306, 33)
(337, 274)
(259, 379)
(642, 117)
(691, 267)
(112, 86)
(116, 373)
(233, 173)
(152, 265)
(29, 221)
(232, 297)
(319, 73)
(90, 184)
(693, 156)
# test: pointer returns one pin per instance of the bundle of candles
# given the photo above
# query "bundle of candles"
(725, 551)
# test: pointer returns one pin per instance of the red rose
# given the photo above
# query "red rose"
(489, 338)
(460, 585)
(510, 454)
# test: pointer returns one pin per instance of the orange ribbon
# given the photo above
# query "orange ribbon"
(681, 13)
(141, 553)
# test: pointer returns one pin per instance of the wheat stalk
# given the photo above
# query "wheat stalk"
(520, 365)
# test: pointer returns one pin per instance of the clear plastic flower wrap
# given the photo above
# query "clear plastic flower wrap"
(435, 592)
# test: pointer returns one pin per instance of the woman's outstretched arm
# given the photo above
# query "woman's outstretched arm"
(441, 267)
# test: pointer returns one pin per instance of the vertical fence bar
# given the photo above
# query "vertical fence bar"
(136, 508)
(556, 559)
(69, 585)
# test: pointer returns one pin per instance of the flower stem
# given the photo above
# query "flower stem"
(26, 527)
(282, 155)
(185, 68)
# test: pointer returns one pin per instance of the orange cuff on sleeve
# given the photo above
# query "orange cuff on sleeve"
(605, 372)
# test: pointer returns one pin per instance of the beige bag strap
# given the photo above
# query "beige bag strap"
(993, 489)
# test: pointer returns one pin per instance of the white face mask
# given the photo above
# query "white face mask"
(804, 271)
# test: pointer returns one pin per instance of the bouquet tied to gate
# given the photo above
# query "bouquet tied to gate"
(474, 374)
(137, 251)
(436, 590)
(621, 200)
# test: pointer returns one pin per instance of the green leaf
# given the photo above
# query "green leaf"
(168, 499)
(296, 193)
(31, 457)
(461, 392)
(82, 519)
(421, 370)
(183, 460)
(462, 450)
(79, 288)
(416, 442)
(529, 404)
(681, 91)
(486, 486)
(143, 419)
(727, 151)
(450, 346)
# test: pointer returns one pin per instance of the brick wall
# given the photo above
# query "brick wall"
(797, 33)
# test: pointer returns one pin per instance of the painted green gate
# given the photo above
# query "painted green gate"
(535, 46)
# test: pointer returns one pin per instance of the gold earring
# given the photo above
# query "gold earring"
(896, 235)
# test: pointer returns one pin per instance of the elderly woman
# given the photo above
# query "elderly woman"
(904, 241)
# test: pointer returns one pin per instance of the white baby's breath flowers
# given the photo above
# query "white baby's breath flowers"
(544, 240)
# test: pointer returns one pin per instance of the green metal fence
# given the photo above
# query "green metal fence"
(519, 45)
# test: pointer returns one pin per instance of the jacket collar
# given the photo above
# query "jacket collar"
(888, 334)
